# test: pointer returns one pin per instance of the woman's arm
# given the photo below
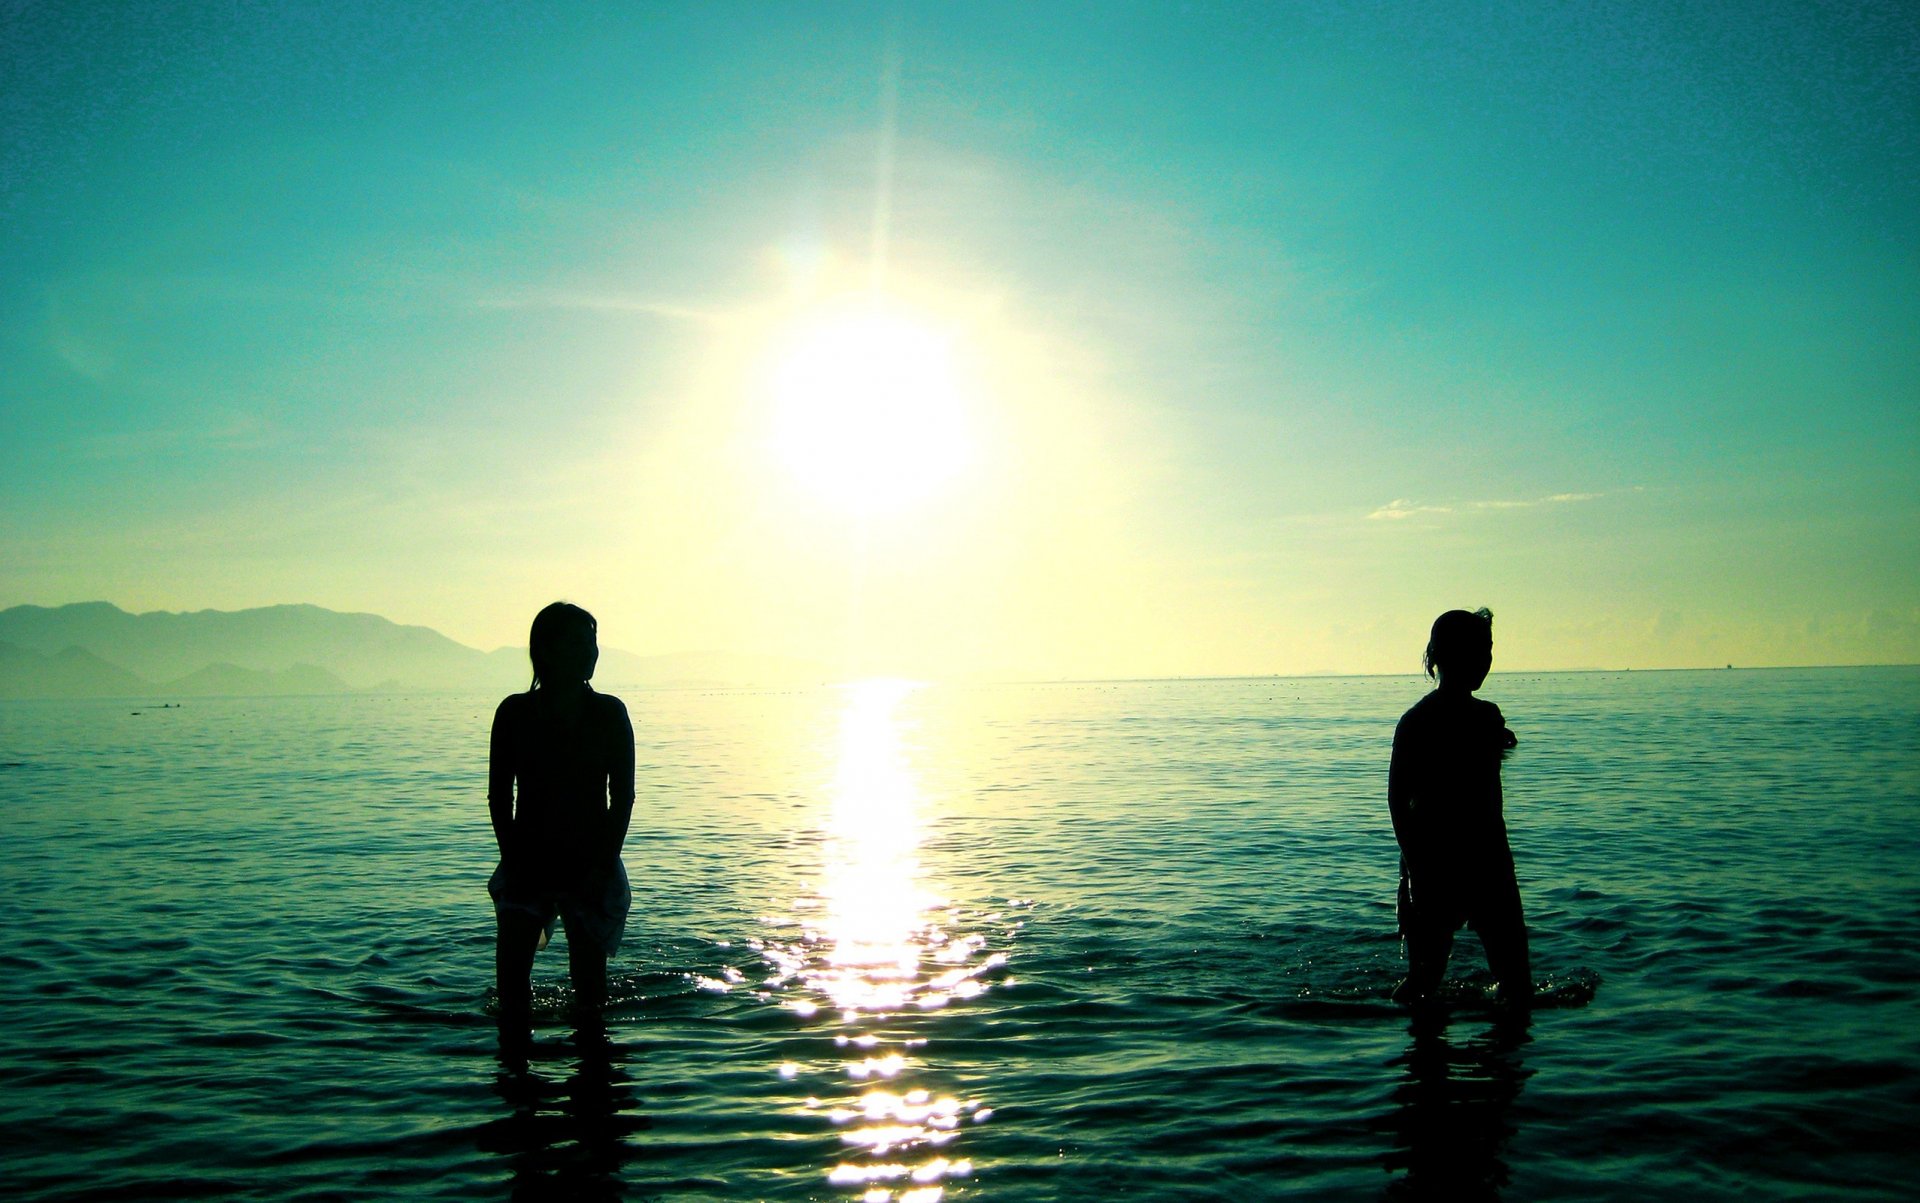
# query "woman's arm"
(1405, 780)
(620, 782)
(500, 779)
(1400, 787)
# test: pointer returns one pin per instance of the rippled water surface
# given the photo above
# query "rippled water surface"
(1103, 941)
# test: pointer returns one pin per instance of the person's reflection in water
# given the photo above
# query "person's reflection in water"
(567, 1139)
(1451, 1124)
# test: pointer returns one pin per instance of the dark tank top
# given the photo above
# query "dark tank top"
(558, 767)
(1446, 763)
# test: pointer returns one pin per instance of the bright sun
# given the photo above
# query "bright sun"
(867, 410)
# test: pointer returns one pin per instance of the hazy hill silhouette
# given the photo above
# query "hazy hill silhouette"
(70, 673)
(95, 649)
(362, 650)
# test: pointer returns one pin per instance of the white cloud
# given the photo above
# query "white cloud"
(605, 303)
(1400, 507)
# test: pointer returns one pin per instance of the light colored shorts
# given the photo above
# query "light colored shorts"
(599, 918)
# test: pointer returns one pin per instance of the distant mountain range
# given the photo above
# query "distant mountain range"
(94, 649)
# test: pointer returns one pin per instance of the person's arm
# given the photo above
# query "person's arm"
(1399, 802)
(1400, 780)
(620, 782)
(500, 780)
(1508, 740)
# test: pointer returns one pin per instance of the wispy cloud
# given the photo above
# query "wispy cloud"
(1400, 508)
(605, 303)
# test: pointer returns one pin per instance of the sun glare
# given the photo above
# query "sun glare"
(867, 410)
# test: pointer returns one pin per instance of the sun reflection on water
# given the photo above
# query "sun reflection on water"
(878, 955)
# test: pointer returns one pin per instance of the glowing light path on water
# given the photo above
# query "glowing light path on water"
(874, 962)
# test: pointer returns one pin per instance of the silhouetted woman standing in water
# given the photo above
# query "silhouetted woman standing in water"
(560, 791)
(1443, 789)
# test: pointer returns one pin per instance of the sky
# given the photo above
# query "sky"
(1029, 340)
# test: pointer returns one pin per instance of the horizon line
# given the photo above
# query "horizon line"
(832, 680)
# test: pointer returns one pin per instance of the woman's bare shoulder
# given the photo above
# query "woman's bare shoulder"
(610, 705)
(511, 706)
(1422, 710)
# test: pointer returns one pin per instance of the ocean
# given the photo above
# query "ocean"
(1126, 940)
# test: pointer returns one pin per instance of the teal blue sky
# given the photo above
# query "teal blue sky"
(1284, 327)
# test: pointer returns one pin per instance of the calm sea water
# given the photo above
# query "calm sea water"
(1048, 942)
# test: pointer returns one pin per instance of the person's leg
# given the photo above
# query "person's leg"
(1429, 941)
(594, 918)
(586, 957)
(1503, 931)
(517, 939)
(1507, 957)
(588, 967)
(1429, 945)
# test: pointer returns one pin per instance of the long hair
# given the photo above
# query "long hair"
(1454, 632)
(556, 647)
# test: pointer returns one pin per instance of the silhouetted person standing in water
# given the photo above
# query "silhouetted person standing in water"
(1443, 788)
(560, 791)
